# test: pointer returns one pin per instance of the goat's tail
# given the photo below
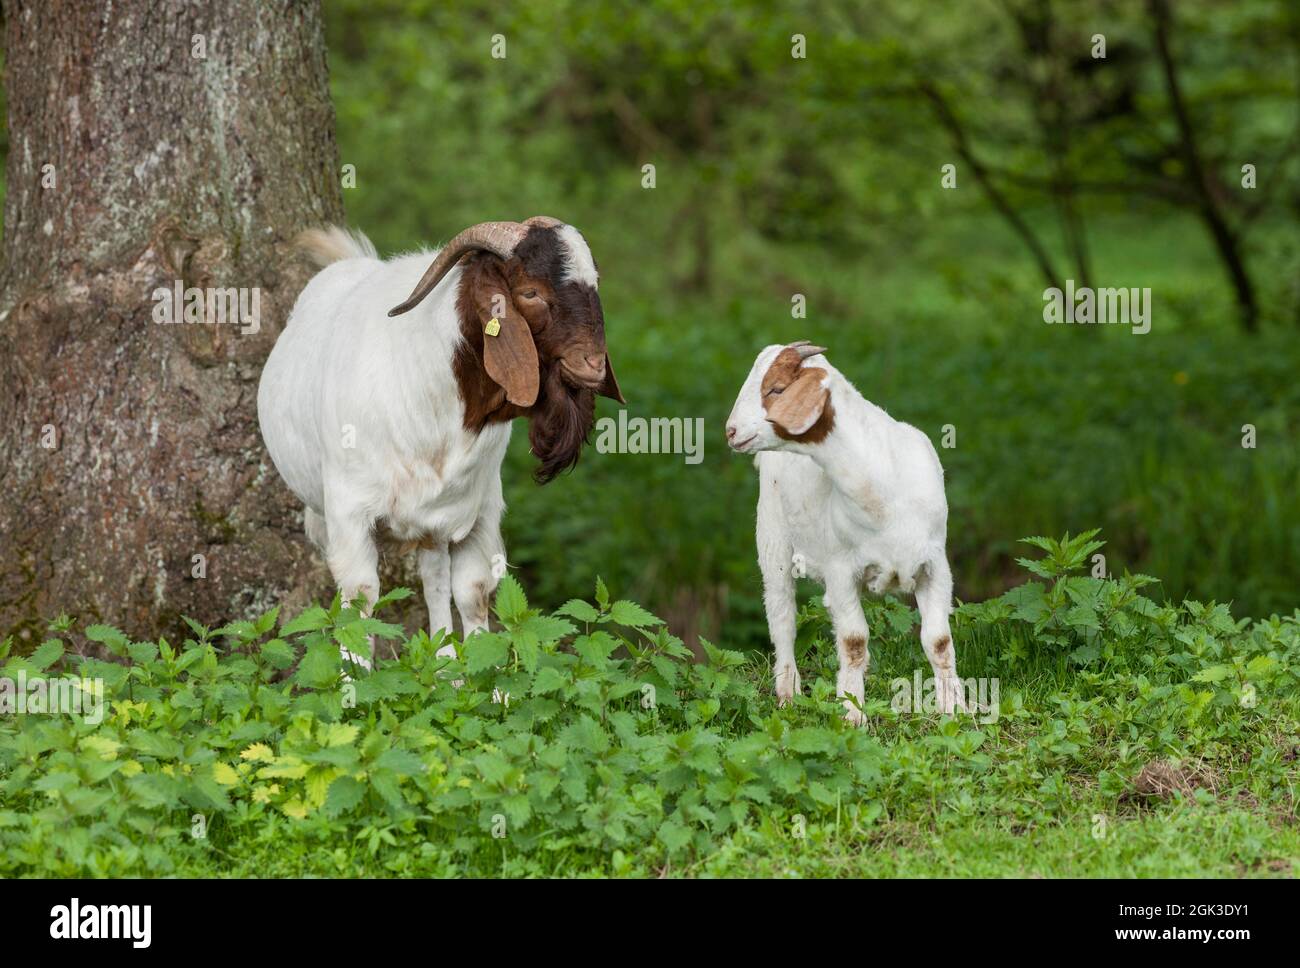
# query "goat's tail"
(334, 243)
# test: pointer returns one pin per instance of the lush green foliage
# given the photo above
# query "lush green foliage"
(250, 750)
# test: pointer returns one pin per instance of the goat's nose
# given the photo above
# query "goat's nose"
(731, 432)
(596, 361)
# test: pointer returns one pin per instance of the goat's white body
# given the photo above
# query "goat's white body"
(863, 508)
(362, 417)
(880, 526)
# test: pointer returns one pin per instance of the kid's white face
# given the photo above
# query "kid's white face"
(748, 429)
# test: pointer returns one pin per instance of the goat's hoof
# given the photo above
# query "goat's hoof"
(787, 685)
(853, 715)
(951, 698)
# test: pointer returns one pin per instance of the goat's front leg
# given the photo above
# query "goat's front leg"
(353, 560)
(851, 636)
(776, 564)
(435, 574)
(934, 602)
(477, 564)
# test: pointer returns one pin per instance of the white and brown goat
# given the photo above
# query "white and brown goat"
(398, 427)
(850, 497)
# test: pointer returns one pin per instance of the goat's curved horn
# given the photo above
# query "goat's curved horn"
(806, 349)
(499, 238)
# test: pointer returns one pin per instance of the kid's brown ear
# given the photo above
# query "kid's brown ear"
(509, 354)
(801, 404)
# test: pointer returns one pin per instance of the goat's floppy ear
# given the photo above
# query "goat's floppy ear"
(801, 404)
(610, 387)
(509, 354)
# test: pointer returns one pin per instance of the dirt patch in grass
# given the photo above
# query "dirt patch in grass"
(1162, 781)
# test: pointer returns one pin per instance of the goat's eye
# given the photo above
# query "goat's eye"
(775, 390)
(529, 294)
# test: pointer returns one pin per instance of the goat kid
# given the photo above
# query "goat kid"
(848, 496)
(396, 428)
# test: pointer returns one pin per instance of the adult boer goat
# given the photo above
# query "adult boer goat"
(396, 428)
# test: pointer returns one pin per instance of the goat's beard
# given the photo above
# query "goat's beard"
(560, 424)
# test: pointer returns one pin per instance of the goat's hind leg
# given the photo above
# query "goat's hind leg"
(851, 637)
(435, 574)
(353, 560)
(477, 564)
(934, 602)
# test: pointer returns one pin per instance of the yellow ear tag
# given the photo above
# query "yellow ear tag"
(493, 327)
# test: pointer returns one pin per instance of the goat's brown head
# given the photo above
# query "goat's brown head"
(534, 333)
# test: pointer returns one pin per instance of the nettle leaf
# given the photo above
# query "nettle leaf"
(602, 594)
(309, 620)
(258, 753)
(142, 652)
(511, 604)
(374, 626)
(526, 647)
(811, 739)
(395, 595)
(1261, 667)
(157, 745)
(278, 653)
(1043, 569)
(242, 630)
(402, 762)
(674, 836)
(486, 650)
(320, 666)
(205, 792)
(548, 629)
(585, 734)
(1214, 673)
(517, 809)
(633, 615)
(1085, 654)
(109, 637)
(336, 734)
(344, 794)
(48, 653)
(549, 679)
(493, 767)
(577, 608)
(596, 648)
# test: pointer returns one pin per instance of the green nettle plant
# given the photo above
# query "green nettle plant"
(589, 728)
(1214, 660)
(592, 738)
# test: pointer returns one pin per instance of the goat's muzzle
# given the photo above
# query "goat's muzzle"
(587, 371)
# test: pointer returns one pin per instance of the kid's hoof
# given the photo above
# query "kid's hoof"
(787, 684)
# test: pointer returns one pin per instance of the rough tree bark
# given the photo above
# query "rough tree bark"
(189, 140)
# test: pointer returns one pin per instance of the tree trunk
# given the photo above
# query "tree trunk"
(152, 144)
(1226, 241)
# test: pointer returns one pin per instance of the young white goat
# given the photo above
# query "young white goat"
(396, 428)
(848, 496)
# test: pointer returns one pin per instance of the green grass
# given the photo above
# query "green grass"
(1129, 739)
